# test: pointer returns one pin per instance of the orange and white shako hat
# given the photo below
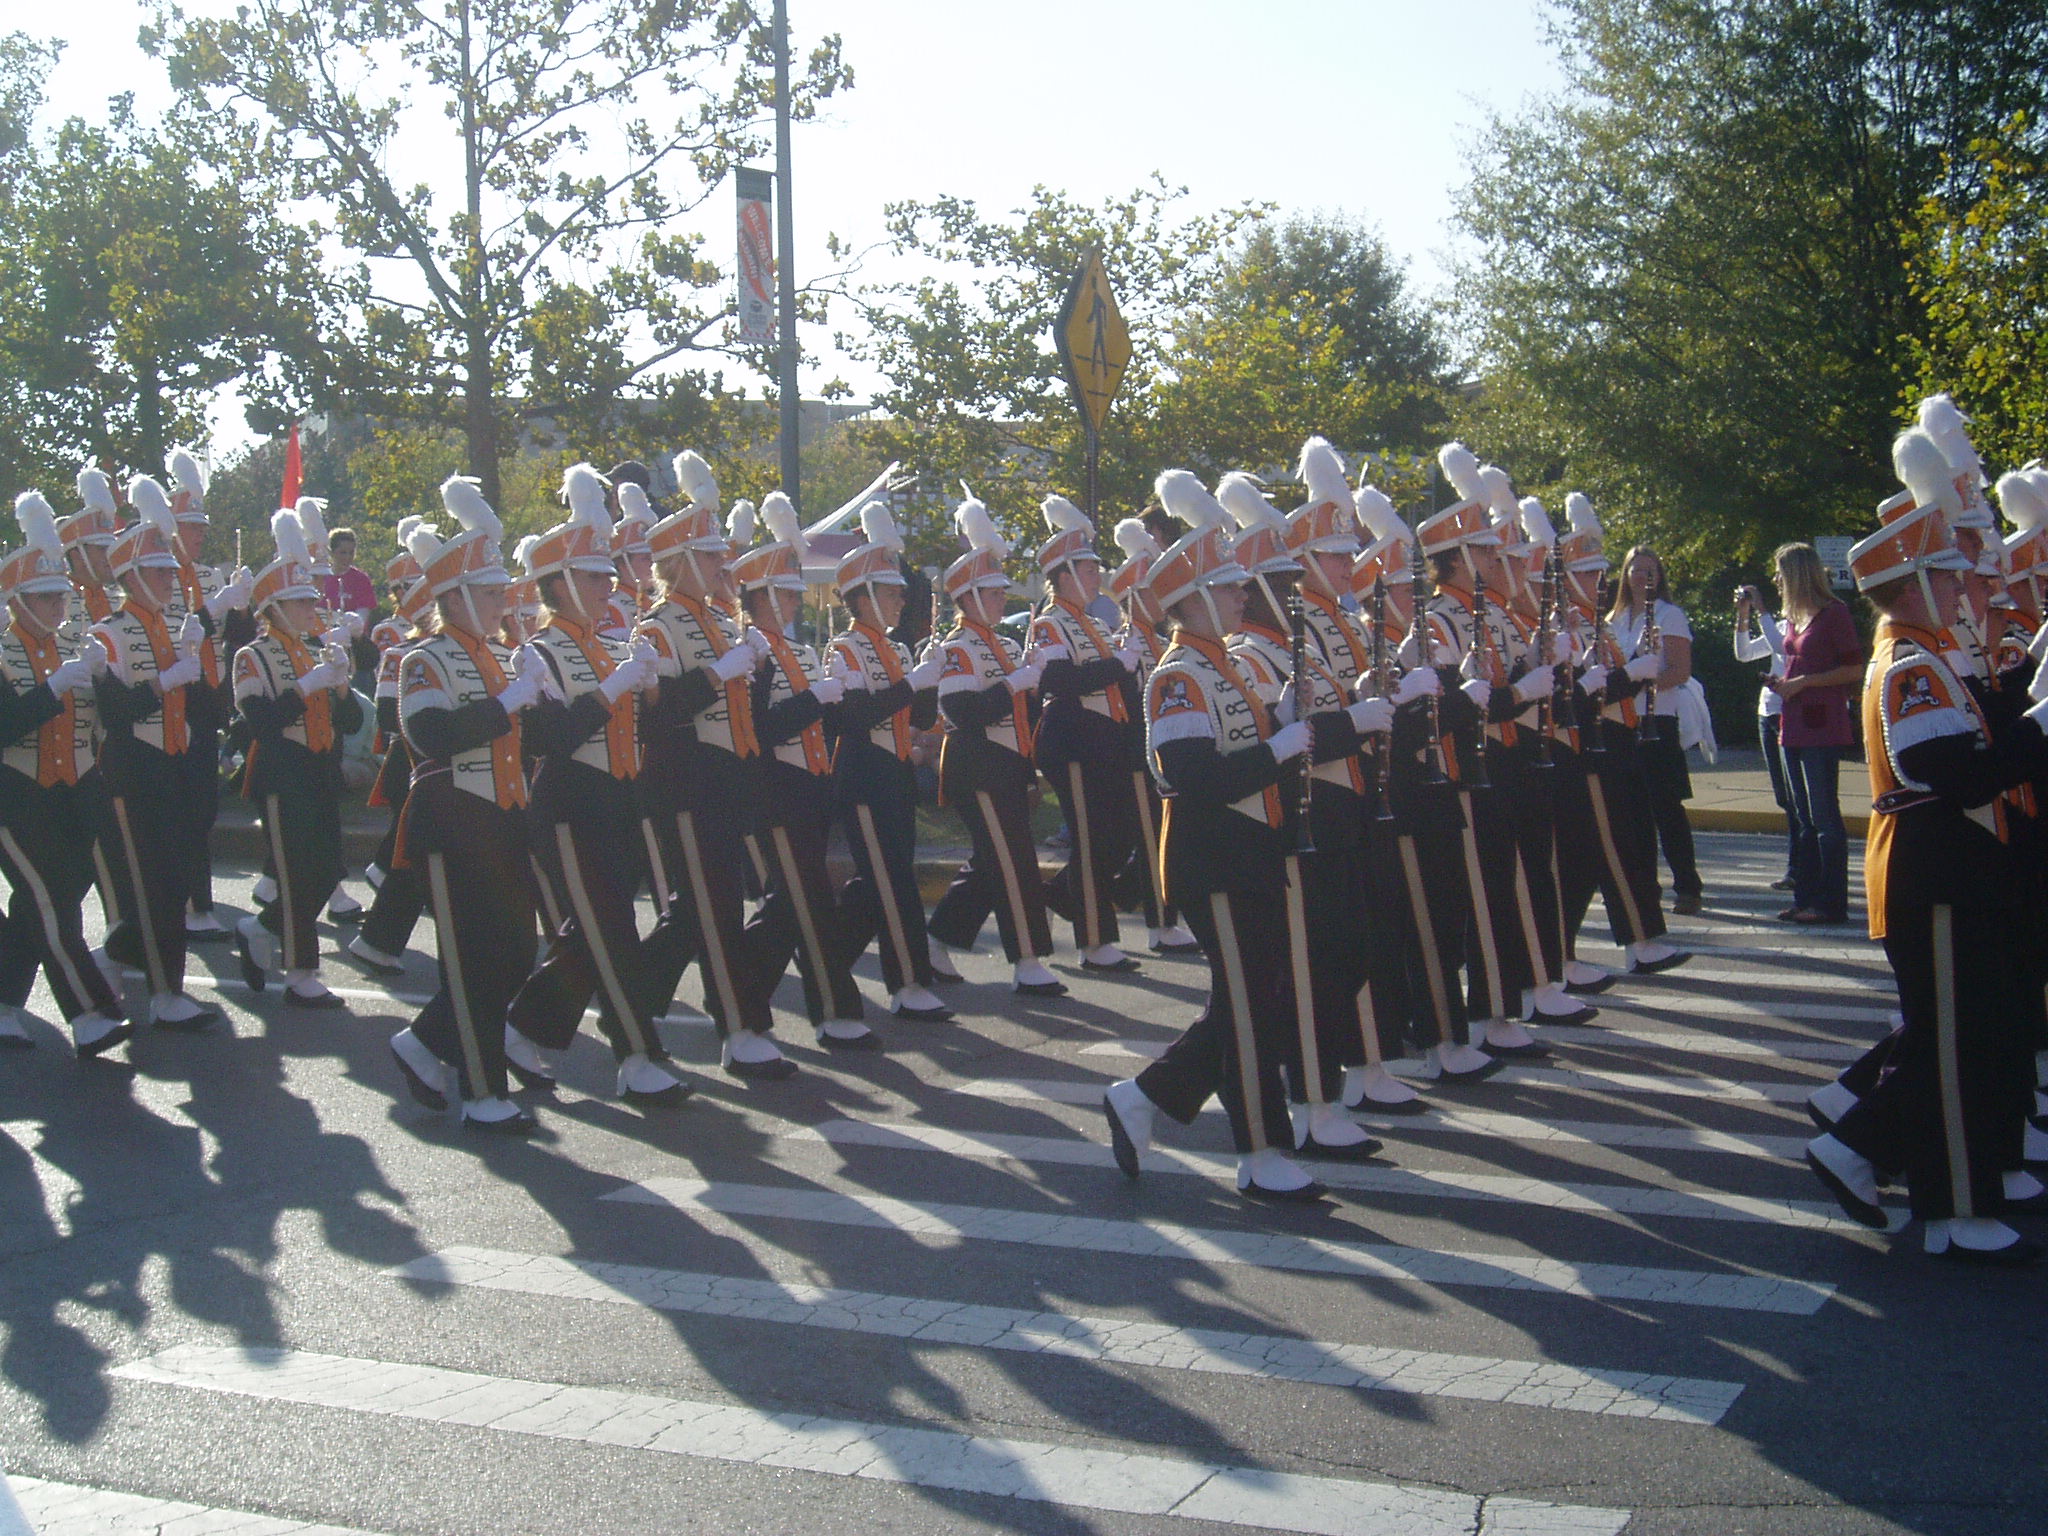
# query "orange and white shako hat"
(1503, 511)
(1327, 522)
(583, 540)
(636, 516)
(154, 540)
(38, 566)
(402, 567)
(471, 557)
(778, 563)
(694, 526)
(1469, 521)
(291, 573)
(2025, 504)
(982, 565)
(879, 558)
(1915, 541)
(1584, 545)
(1930, 484)
(1261, 546)
(1390, 556)
(1140, 550)
(1202, 557)
(1949, 427)
(99, 519)
(188, 476)
(1073, 535)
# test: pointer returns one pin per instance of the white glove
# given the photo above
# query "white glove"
(523, 692)
(1478, 690)
(1290, 740)
(1284, 708)
(233, 593)
(337, 656)
(355, 622)
(1536, 683)
(1025, 678)
(1643, 668)
(179, 673)
(926, 673)
(734, 664)
(72, 675)
(1370, 715)
(1132, 656)
(1564, 648)
(534, 668)
(326, 675)
(1471, 664)
(1041, 654)
(191, 635)
(635, 671)
(97, 655)
(849, 679)
(757, 642)
(1422, 683)
(828, 690)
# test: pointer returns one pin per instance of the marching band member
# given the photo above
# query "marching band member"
(296, 699)
(88, 536)
(632, 555)
(985, 767)
(391, 635)
(465, 825)
(884, 695)
(792, 821)
(584, 817)
(699, 730)
(1220, 758)
(147, 717)
(1082, 744)
(49, 791)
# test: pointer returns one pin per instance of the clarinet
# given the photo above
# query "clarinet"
(1651, 643)
(1297, 619)
(1382, 682)
(1476, 650)
(1603, 594)
(1571, 692)
(1546, 632)
(1418, 636)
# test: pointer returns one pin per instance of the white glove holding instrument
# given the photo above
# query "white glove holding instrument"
(72, 675)
(757, 642)
(637, 671)
(1536, 683)
(355, 622)
(232, 594)
(1290, 740)
(523, 692)
(1041, 654)
(849, 679)
(191, 635)
(97, 655)
(1371, 715)
(735, 664)
(534, 670)
(926, 673)
(1285, 710)
(1478, 690)
(1024, 678)
(1422, 683)
(326, 673)
(180, 673)
(827, 690)
(1643, 668)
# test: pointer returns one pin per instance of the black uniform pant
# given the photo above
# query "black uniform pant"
(302, 828)
(1386, 925)
(1002, 875)
(1335, 919)
(201, 761)
(1531, 806)
(1429, 862)
(1950, 1099)
(395, 910)
(1137, 884)
(20, 949)
(46, 853)
(1496, 949)
(589, 860)
(479, 885)
(1602, 845)
(881, 901)
(142, 836)
(798, 918)
(1246, 1034)
(1670, 786)
(703, 849)
(1099, 802)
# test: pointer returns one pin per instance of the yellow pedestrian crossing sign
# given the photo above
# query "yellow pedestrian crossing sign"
(1093, 343)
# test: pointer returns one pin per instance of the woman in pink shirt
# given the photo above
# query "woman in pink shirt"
(1823, 666)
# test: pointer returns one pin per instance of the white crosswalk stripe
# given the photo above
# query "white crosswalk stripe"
(64, 1509)
(1663, 1039)
(1071, 1476)
(1125, 1341)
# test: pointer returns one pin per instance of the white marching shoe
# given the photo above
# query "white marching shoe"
(848, 1035)
(176, 1011)
(919, 1004)
(1581, 977)
(265, 891)
(429, 1079)
(14, 1034)
(1106, 957)
(497, 1117)
(1176, 940)
(1979, 1240)
(343, 908)
(1648, 956)
(304, 989)
(1031, 977)
(95, 1033)
(1130, 1116)
(1272, 1175)
(749, 1054)
(1324, 1130)
(645, 1081)
(943, 968)
(373, 958)
(1505, 1037)
(1551, 1003)
(533, 1066)
(1850, 1178)
(1458, 1063)
(1376, 1088)
(1828, 1103)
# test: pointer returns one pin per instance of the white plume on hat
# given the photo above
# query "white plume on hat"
(1062, 516)
(2021, 498)
(1188, 499)
(739, 524)
(1924, 470)
(973, 523)
(523, 551)
(422, 542)
(1378, 514)
(583, 488)
(1940, 420)
(1242, 498)
(1135, 539)
(696, 480)
(187, 474)
(1321, 473)
(463, 496)
(147, 497)
(1500, 492)
(405, 528)
(634, 507)
(96, 491)
(779, 513)
(1536, 527)
(289, 534)
(878, 527)
(39, 526)
(1578, 506)
(1461, 467)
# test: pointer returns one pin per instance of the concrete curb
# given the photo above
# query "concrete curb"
(1729, 819)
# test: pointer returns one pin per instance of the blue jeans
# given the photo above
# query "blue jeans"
(1781, 789)
(1820, 863)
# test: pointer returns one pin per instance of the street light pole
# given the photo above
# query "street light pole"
(785, 266)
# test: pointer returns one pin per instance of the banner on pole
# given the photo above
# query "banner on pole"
(755, 298)
(294, 471)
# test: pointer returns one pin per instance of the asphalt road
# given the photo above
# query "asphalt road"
(245, 1286)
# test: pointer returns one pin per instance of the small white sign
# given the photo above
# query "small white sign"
(1834, 556)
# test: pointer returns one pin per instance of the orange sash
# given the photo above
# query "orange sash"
(813, 735)
(1221, 657)
(621, 750)
(892, 668)
(1103, 652)
(319, 706)
(176, 737)
(739, 693)
(56, 742)
(508, 779)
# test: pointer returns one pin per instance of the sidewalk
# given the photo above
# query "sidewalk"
(1734, 795)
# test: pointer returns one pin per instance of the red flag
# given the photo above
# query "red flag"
(294, 471)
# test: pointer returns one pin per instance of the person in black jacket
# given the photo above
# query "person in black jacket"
(401, 895)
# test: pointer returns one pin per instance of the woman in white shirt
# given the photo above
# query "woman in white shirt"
(1644, 591)
(1767, 644)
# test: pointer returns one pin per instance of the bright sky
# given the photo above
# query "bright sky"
(1353, 106)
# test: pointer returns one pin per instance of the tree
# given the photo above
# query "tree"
(1690, 292)
(546, 265)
